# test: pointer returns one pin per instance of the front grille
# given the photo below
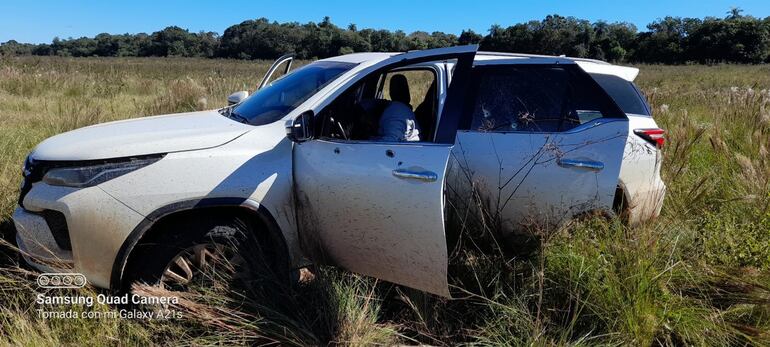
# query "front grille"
(57, 223)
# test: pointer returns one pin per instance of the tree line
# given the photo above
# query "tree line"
(672, 40)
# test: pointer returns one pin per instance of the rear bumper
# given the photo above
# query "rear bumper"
(644, 205)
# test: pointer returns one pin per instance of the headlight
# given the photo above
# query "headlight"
(91, 175)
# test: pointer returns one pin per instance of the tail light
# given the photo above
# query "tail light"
(655, 136)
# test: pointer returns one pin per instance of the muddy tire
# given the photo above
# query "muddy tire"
(189, 252)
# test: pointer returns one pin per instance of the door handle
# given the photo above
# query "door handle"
(582, 164)
(425, 176)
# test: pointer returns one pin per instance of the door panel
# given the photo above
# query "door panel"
(376, 208)
(541, 178)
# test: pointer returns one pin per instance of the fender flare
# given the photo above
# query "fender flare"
(255, 209)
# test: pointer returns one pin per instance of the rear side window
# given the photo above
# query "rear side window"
(537, 98)
(625, 94)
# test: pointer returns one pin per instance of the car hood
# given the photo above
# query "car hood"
(149, 135)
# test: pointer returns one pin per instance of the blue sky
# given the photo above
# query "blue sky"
(40, 20)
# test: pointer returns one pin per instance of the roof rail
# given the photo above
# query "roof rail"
(524, 55)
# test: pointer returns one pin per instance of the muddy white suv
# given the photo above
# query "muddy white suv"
(297, 167)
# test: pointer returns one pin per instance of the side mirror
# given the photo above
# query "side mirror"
(300, 129)
(237, 97)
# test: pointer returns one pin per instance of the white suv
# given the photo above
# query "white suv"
(297, 169)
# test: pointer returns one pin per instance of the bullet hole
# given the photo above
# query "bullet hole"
(390, 153)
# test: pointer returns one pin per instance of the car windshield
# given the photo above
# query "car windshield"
(282, 96)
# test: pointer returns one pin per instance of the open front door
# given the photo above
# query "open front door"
(377, 208)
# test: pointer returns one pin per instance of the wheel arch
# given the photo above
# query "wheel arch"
(149, 226)
(620, 202)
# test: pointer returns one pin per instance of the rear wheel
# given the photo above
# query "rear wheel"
(620, 205)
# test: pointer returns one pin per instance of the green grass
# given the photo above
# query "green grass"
(699, 275)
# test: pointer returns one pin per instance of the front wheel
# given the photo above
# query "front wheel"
(191, 253)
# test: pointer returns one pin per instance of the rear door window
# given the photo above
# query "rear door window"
(625, 93)
(537, 98)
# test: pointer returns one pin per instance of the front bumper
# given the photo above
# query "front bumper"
(97, 225)
(37, 244)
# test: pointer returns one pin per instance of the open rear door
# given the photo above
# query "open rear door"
(377, 208)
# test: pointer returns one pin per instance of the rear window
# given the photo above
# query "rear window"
(625, 94)
(537, 98)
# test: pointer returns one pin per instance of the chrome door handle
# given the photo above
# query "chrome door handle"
(582, 164)
(425, 176)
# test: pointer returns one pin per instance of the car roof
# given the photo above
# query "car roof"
(358, 58)
(483, 57)
(592, 66)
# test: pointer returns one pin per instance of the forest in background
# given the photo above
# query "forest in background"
(735, 38)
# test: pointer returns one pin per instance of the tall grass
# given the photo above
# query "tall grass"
(698, 275)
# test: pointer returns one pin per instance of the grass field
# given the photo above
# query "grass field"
(699, 275)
